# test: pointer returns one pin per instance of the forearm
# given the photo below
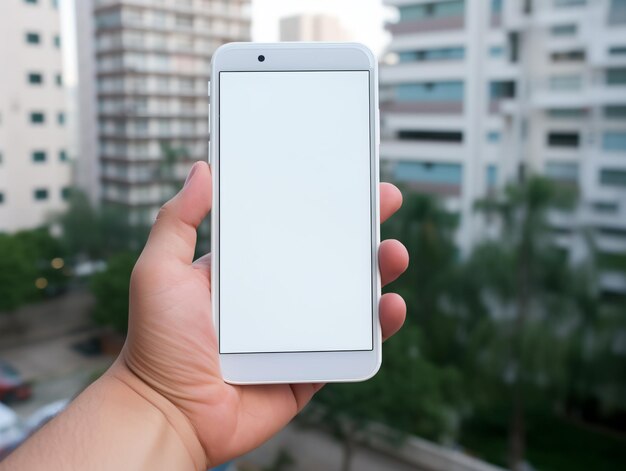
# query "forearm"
(116, 423)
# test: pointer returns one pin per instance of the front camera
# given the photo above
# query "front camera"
(261, 58)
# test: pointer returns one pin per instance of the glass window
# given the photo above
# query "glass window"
(567, 113)
(605, 207)
(59, 80)
(614, 141)
(493, 136)
(424, 172)
(57, 40)
(33, 38)
(615, 112)
(565, 82)
(496, 6)
(430, 92)
(501, 89)
(431, 136)
(432, 10)
(616, 76)
(449, 53)
(613, 177)
(32, 2)
(563, 139)
(61, 118)
(617, 13)
(39, 156)
(40, 194)
(35, 78)
(66, 192)
(37, 117)
(563, 171)
(63, 156)
(569, 3)
(617, 51)
(564, 30)
(496, 51)
(1, 197)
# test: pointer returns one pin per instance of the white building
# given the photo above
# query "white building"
(312, 28)
(34, 161)
(143, 72)
(482, 90)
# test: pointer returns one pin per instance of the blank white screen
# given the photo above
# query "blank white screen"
(295, 239)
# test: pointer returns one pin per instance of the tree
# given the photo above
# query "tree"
(418, 389)
(111, 290)
(17, 274)
(526, 307)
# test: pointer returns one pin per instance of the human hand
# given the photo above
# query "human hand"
(171, 346)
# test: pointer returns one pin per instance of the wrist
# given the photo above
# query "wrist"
(163, 410)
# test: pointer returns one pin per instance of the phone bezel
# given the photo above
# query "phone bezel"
(300, 367)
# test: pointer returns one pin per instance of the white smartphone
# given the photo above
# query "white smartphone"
(295, 224)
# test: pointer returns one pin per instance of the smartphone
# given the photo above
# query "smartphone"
(295, 224)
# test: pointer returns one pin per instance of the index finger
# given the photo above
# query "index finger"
(390, 200)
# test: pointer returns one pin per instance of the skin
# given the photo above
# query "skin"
(163, 404)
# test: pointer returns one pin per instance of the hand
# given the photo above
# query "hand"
(172, 347)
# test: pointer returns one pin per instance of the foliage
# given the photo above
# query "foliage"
(111, 290)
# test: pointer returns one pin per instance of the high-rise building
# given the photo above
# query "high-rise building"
(312, 28)
(144, 67)
(34, 163)
(475, 92)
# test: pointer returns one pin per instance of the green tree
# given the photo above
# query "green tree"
(526, 308)
(418, 389)
(17, 275)
(111, 290)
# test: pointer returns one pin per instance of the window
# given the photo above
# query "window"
(616, 76)
(568, 56)
(40, 194)
(432, 10)
(565, 82)
(614, 141)
(496, 51)
(1, 197)
(37, 117)
(61, 119)
(615, 112)
(39, 156)
(496, 6)
(424, 172)
(617, 51)
(63, 156)
(500, 90)
(563, 139)
(35, 78)
(569, 3)
(567, 113)
(57, 40)
(431, 136)
(32, 2)
(564, 30)
(424, 55)
(612, 231)
(33, 38)
(562, 171)
(430, 92)
(617, 13)
(493, 136)
(605, 207)
(613, 177)
(59, 80)
(66, 192)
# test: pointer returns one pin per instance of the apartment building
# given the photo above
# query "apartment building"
(144, 71)
(312, 28)
(34, 162)
(476, 91)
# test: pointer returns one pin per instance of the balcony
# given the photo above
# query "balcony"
(434, 107)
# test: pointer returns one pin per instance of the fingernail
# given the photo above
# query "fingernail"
(191, 172)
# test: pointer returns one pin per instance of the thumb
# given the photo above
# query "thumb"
(174, 231)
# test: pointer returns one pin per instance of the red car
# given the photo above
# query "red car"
(12, 386)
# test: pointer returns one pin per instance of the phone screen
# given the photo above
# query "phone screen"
(295, 240)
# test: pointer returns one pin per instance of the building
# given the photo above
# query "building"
(312, 28)
(35, 171)
(143, 72)
(475, 92)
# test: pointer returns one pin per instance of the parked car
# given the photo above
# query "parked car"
(11, 434)
(12, 386)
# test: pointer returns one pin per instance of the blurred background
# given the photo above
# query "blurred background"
(503, 121)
